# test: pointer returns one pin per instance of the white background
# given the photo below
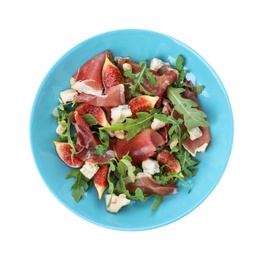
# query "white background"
(35, 34)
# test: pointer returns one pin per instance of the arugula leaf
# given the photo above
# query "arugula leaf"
(139, 79)
(82, 184)
(193, 117)
(91, 120)
(62, 117)
(181, 81)
(187, 162)
(176, 129)
(105, 140)
(157, 202)
(126, 168)
(134, 126)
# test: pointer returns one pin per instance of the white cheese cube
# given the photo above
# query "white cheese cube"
(150, 166)
(157, 124)
(116, 202)
(120, 113)
(60, 129)
(195, 133)
(156, 64)
(89, 169)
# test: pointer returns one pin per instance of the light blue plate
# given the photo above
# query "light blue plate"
(138, 44)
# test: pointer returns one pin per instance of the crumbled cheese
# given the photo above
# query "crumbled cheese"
(195, 133)
(127, 67)
(60, 129)
(68, 95)
(116, 202)
(156, 64)
(173, 143)
(120, 113)
(157, 124)
(150, 166)
(89, 169)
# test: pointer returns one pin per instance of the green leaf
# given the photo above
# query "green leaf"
(139, 79)
(81, 184)
(91, 120)
(193, 117)
(175, 130)
(157, 202)
(126, 168)
(105, 140)
(199, 89)
(187, 162)
(179, 63)
(134, 126)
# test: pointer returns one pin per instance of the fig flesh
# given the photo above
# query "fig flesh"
(111, 75)
(64, 153)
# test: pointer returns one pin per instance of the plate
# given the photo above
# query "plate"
(138, 44)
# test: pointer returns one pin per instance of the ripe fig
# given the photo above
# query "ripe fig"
(64, 153)
(100, 179)
(95, 111)
(166, 158)
(142, 103)
(111, 75)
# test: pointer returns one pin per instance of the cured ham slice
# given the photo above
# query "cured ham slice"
(141, 147)
(113, 97)
(149, 186)
(85, 138)
(164, 78)
(200, 144)
(86, 142)
(88, 78)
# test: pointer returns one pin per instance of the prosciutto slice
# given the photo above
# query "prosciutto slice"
(149, 186)
(113, 97)
(88, 78)
(141, 147)
(85, 138)
(86, 141)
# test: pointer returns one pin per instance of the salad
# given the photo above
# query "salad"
(129, 129)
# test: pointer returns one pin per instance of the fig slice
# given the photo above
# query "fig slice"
(142, 103)
(95, 111)
(100, 179)
(111, 75)
(166, 158)
(64, 153)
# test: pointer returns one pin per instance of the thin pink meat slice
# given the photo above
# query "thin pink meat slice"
(113, 97)
(141, 147)
(90, 73)
(150, 187)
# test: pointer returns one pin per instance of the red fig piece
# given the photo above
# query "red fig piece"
(64, 153)
(95, 111)
(166, 158)
(111, 75)
(100, 179)
(142, 103)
